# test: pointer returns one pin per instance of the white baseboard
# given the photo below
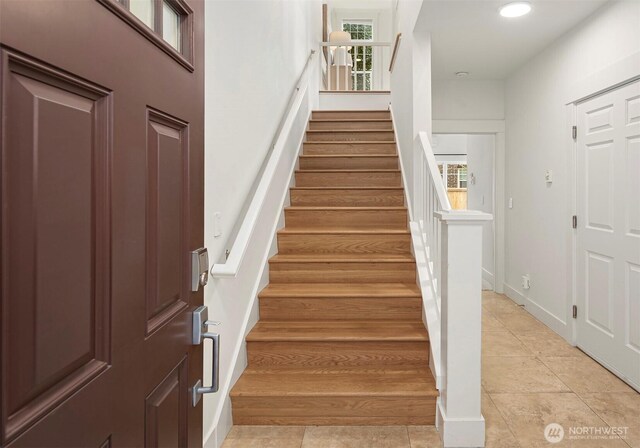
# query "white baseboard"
(543, 315)
(488, 280)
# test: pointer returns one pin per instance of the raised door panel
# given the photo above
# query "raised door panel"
(55, 238)
(167, 202)
(166, 410)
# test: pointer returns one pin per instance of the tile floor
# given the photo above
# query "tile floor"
(530, 376)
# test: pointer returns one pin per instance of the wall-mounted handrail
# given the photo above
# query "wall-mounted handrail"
(249, 221)
(396, 46)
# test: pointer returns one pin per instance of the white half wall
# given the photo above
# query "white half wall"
(538, 235)
(354, 101)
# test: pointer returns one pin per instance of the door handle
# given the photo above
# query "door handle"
(201, 325)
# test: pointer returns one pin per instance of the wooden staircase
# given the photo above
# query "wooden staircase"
(340, 339)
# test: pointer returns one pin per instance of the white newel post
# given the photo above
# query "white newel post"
(459, 415)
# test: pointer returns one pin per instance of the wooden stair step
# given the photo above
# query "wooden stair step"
(352, 147)
(334, 382)
(349, 161)
(329, 241)
(350, 135)
(308, 301)
(348, 178)
(350, 114)
(333, 397)
(347, 197)
(346, 217)
(315, 290)
(351, 331)
(318, 124)
(340, 268)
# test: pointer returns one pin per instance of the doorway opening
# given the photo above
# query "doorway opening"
(466, 163)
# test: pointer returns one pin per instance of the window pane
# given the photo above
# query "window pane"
(170, 26)
(143, 10)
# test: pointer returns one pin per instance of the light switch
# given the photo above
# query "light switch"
(217, 226)
(510, 202)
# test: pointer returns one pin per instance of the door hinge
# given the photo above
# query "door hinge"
(575, 311)
(574, 221)
(574, 132)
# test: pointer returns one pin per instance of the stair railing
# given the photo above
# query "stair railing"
(355, 66)
(448, 249)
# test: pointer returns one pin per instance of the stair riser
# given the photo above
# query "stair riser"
(350, 125)
(342, 136)
(349, 179)
(348, 219)
(341, 308)
(347, 198)
(344, 244)
(316, 410)
(418, 420)
(320, 148)
(344, 354)
(347, 163)
(348, 114)
(342, 272)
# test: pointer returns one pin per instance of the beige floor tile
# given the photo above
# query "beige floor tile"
(502, 343)
(264, 437)
(356, 437)
(522, 322)
(424, 437)
(518, 374)
(548, 344)
(619, 409)
(490, 323)
(498, 434)
(527, 415)
(500, 305)
(584, 375)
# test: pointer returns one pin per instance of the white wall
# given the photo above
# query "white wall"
(249, 79)
(478, 151)
(468, 99)
(537, 228)
(411, 81)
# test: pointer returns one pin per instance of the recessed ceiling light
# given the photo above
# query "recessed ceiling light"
(515, 9)
(462, 74)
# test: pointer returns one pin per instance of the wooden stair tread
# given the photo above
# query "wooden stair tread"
(342, 120)
(342, 258)
(352, 170)
(355, 142)
(313, 131)
(338, 331)
(345, 209)
(347, 156)
(280, 382)
(347, 188)
(340, 231)
(351, 290)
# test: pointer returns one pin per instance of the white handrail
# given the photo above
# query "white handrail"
(236, 255)
(434, 172)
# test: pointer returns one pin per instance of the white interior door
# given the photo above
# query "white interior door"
(608, 235)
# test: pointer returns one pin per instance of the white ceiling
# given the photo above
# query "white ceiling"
(471, 36)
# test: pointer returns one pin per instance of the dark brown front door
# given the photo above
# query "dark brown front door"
(102, 203)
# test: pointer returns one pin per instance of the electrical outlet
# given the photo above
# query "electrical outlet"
(548, 176)
(526, 281)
